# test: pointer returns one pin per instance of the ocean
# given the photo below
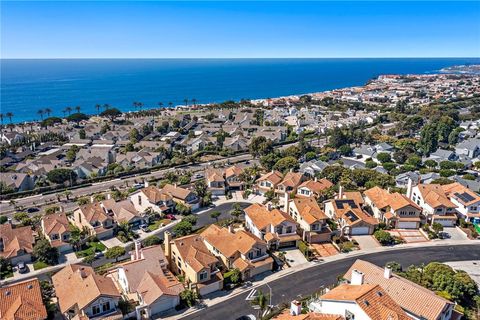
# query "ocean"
(30, 85)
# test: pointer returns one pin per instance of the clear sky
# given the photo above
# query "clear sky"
(111, 29)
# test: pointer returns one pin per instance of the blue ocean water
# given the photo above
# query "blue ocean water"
(30, 85)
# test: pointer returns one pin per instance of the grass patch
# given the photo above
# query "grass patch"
(154, 226)
(5, 275)
(39, 265)
(90, 248)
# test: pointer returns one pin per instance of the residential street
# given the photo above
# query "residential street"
(310, 280)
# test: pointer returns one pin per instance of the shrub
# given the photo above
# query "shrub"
(383, 237)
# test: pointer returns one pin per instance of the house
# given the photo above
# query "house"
(189, 256)
(350, 216)
(295, 313)
(275, 227)
(152, 198)
(17, 181)
(365, 152)
(147, 280)
(22, 301)
(469, 148)
(124, 212)
(268, 182)
(215, 181)
(313, 188)
(312, 220)
(233, 178)
(141, 159)
(238, 250)
(312, 167)
(16, 244)
(182, 195)
(289, 183)
(443, 155)
(95, 219)
(417, 301)
(394, 209)
(56, 228)
(83, 293)
(359, 301)
(467, 201)
(401, 180)
(434, 202)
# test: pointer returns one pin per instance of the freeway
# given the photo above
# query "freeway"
(310, 280)
(7, 209)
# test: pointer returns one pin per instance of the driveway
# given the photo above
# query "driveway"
(112, 242)
(294, 257)
(324, 249)
(455, 234)
(408, 235)
(366, 242)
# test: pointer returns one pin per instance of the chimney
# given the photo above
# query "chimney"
(109, 196)
(295, 308)
(269, 206)
(357, 277)
(145, 183)
(92, 200)
(388, 189)
(387, 273)
(316, 179)
(138, 247)
(409, 188)
(230, 229)
(167, 240)
(175, 184)
(340, 192)
(286, 202)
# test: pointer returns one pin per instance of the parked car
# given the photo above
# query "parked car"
(137, 186)
(32, 210)
(170, 216)
(247, 317)
(144, 228)
(99, 255)
(22, 267)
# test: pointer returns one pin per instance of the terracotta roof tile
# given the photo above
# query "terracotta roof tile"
(22, 300)
(309, 209)
(16, 239)
(262, 217)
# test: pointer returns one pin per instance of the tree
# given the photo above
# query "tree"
(337, 138)
(89, 259)
(72, 153)
(428, 139)
(286, 164)
(384, 157)
(261, 300)
(215, 215)
(430, 163)
(112, 113)
(236, 211)
(394, 266)
(44, 252)
(201, 190)
(48, 292)
(437, 227)
(5, 268)
(260, 146)
(60, 176)
(383, 237)
(152, 241)
(77, 117)
(345, 150)
(23, 218)
(189, 297)
(82, 134)
(182, 209)
(134, 136)
(414, 160)
(235, 275)
(183, 228)
(115, 253)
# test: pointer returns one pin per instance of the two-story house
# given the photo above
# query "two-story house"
(394, 209)
(268, 182)
(275, 227)
(189, 256)
(95, 219)
(56, 228)
(124, 211)
(434, 202)
(312, 220)
(182, 195)
(152, 198)
(215, 181)
(238, 249)
(147, 280)
(83, 293)
(289, 183)
(467, 201)
(22, 301)
(16, 244)
(350, 216)
(313, 188)
(233, 178)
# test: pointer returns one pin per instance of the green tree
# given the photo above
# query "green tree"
(115, 253)
(384, 157)
(183, 228)
(189, 297)
(286, 164)
(82, 134)
(60, 176)
(261, 301)
(44, 252)
(383, 237)
(215, 215)
(337, 138)
(437, 227)
(152, 241)
(428, 139)
(430, 163)
(260, 146)
(71, 154)
(236, 211)
(112, 114)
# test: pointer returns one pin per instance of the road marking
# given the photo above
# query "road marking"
(251, 295)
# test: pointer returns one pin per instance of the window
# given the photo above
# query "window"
(250, 255)
(203, 275)
(289, 229)
(349, 315)
(279, 229)
(106, 306)
(315, 226)
(95, 310)
(54, 236)
(139, 200)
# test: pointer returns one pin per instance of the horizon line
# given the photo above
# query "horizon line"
(233, 58)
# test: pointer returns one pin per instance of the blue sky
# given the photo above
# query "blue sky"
(111, 29)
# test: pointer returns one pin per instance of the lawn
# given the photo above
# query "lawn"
(154, 226)
(90, 248)
(39, 265)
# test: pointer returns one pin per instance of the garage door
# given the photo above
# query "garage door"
(407, 225)
(287, 244)
(359, 230)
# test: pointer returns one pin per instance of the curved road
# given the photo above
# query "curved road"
(310, 280)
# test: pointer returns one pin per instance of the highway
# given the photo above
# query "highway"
(308, 281)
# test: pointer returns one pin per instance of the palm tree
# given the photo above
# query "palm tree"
(48, 111)
(160, 104)
(170, 104)
(140, 105)
(106, 106)
(77, 108)
(64, 112)
(261, 300)
(97, 106)
(9, 116)
(194, 101)
(69, 110)
(40, 113)
(186, 102)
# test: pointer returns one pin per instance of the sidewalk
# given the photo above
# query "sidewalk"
(215, 298)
